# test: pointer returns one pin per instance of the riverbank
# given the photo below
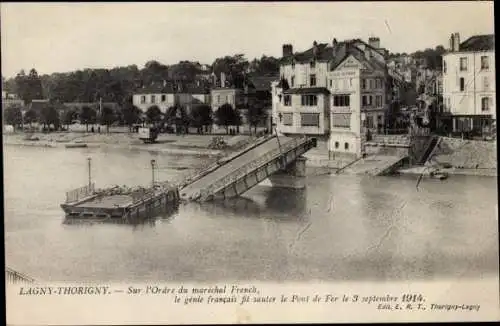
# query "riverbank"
(197, 145)
(425, 171)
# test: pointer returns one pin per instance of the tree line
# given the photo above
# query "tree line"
(55, 117)
(119, 83)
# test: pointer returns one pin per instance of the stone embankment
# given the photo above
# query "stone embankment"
(465, 154)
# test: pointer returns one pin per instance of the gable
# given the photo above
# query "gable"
(350, 63)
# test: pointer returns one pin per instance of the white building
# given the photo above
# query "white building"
(469, 83)
(165, 96)
(335, 92)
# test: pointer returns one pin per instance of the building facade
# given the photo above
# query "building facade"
(335, 92)
(166, 96)
(469, 86)
(11, 100)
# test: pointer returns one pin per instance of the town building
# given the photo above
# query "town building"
(335, 92)
(11, 100)
(469, 84)
(256, 91)
(167, 95)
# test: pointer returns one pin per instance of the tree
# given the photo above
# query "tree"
(13, 116)
(107, 117)
(226, 116)
(29, 87)
(87, 116)
(49, 116)
(177, 115)
(68, 117)
(153, 114)
(131, 114)
(30, 116)
(255, 115)
(234, 68)
(201, 115)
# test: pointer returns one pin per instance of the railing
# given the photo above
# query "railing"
(201, 172)
(251, 166)
(11, 276)
(79, 193)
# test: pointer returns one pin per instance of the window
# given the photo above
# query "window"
(341, 100)
(341, 120)
(313, 80)
(309, 100)
(312, 64)
(153, 99)
(346, 146)
(462, 84)
(485, 63)
(287, 100)
(218, 99)
(331, 83)
(309, 119)
(143, 99)
(485, 104)
(287, 119)
(486, 83)
(363, 83)
(378, 100)
(463, 64)
(363, 100)
(371, 83)
(444, 67)
(292, 81)
(227, 99)
(369, 121)
(336, 144)
(163, 98)
(293, 65)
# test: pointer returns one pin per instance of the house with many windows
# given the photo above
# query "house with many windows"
(335, 92)
(469, 84)
(168, 94)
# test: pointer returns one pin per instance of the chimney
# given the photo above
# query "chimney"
(452, 42)
(456, 42)
(287, 50)
(374, 42)
(222, 79)
(334, 43)
(315, 48)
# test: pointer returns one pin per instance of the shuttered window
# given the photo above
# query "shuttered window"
(309, 119)
(287, 119)
(341, 120)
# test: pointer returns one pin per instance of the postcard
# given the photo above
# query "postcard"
(249, 162)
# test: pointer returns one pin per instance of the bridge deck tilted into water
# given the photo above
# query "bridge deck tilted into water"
(245, 170)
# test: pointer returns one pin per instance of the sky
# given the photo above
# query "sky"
(62, 37)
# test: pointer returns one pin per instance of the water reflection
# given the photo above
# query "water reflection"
(279, 204)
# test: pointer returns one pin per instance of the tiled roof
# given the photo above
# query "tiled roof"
(156, 89)
(307, 90)
(478, 43)
(263, 83)
(324, 53)
(345, 49)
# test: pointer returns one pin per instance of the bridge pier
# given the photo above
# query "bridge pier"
(291, 177)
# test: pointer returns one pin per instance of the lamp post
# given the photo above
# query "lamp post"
(153, 162)
(90, 172)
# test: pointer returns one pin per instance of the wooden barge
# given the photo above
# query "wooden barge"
(119, 203)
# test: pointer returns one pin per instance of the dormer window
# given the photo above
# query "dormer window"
(312, 64)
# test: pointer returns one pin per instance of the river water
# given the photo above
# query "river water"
(337, 228)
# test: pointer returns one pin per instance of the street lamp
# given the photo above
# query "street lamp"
(153, 162)
(90, 172)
